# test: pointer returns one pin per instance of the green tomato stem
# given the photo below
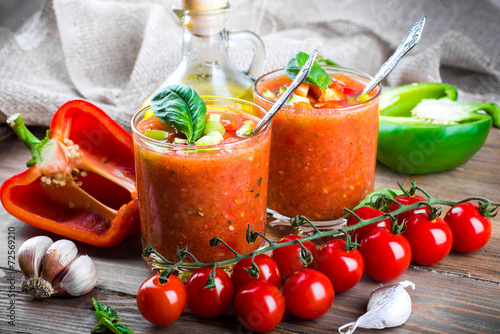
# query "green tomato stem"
(160, 261)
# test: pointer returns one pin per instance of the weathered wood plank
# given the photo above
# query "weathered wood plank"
(459, 295)
(446, 304)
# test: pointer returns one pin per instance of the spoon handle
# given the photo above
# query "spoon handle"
(301, 76)
(410, 40)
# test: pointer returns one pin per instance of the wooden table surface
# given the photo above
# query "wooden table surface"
(461, 294)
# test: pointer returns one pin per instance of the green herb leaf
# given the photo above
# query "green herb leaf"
(317, 75)
(325, 61)
(96, 304)
(123, 329)
(181, 107)
(107, 316)
(110, 311)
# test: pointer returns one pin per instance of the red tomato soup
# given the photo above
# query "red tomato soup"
(191, 194)
(323, 150)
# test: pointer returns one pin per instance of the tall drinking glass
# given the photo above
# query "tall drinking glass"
(191, 194)
(322, 160)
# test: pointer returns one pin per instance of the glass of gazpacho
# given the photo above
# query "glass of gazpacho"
(324, 143)
(191, 193)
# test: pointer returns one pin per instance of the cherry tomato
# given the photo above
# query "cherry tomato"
(159, 303)
(259, 306)
(430, 241)
(209, 303)
(308, 294)
(407, 200)
(268, 271)
(386, 256)
(288, 258)
(471, 230)
(343, 268)
(366, 212)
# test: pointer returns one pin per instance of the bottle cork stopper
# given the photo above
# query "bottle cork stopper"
(203, 4)
(202, 16)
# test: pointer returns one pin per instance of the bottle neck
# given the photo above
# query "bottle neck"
(205, 42)
(203, 22)
(205, 49)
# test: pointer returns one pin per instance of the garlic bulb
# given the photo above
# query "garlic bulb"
(52, 269)
(388, 306)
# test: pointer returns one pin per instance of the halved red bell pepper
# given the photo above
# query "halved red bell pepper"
(81, 180)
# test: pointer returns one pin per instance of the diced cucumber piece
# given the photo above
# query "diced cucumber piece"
(246, 129)
(213, 138)
(180, 141)
(214, 117)
(269, 95)
(156, 134)
(214, 125)
(296, 98)
(282, 89)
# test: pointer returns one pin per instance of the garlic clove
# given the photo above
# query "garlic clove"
(388, 306)
(76, 279)
(59, 255)
(393, 301)
(31, 253)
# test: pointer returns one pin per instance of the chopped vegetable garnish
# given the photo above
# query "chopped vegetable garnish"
(246, 129)
(213, 138)
(214, 125)
(156, 134)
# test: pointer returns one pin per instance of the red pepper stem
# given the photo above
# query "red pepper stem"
(32, 143)
(16, 123)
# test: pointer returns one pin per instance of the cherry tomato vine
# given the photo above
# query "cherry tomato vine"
(378, 200)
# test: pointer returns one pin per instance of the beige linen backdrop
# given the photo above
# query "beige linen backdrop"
(114, 52)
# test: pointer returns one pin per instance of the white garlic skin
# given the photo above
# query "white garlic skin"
(388, 306)
(59, 255)
(30, 255)
(77, 279)
(48, 264)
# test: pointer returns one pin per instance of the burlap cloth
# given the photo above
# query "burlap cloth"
(114, 52)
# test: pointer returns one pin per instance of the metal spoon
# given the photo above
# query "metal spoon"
(410, 40)
(301, 76)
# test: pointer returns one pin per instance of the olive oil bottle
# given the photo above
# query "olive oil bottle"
(205, 64)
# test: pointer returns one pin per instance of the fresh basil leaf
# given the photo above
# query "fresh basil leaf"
(325, 61)
(317, 75)
(123, 329)
(181, 107)
(107, 316)
(96, 304)
(110, 311)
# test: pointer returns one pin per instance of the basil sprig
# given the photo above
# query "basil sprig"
(107, 319)
(317, 75)
(181, 107)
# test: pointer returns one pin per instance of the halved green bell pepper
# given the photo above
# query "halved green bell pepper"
(423, 129)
